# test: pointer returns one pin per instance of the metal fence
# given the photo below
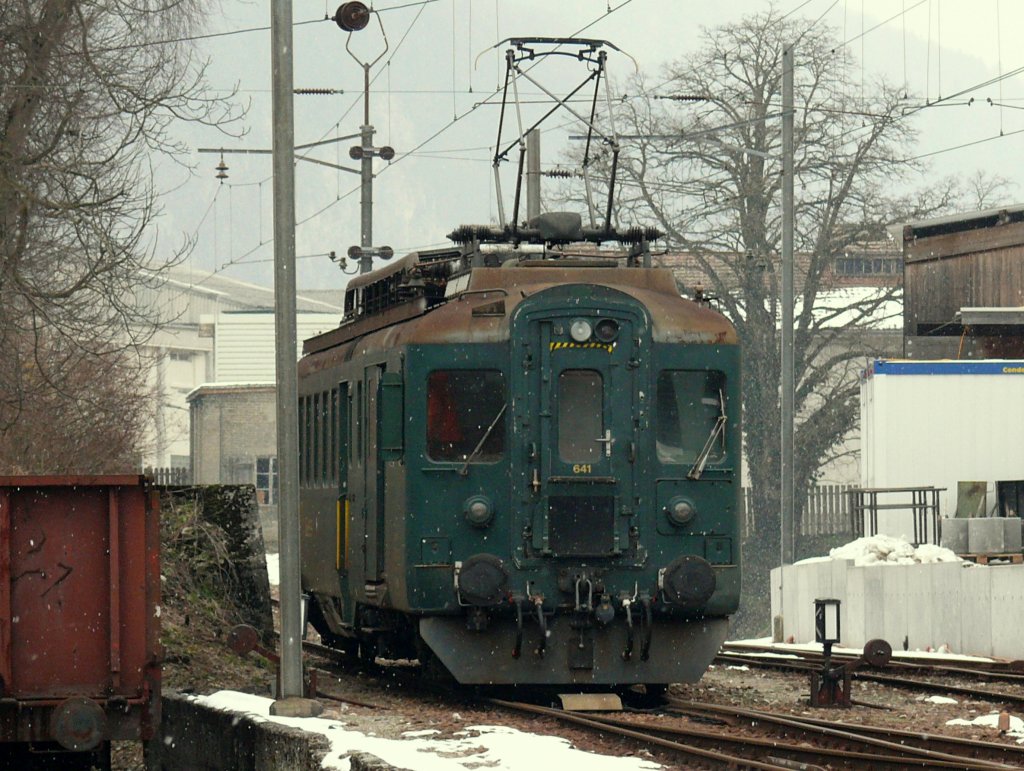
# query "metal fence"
(170, 476)
(826, 511)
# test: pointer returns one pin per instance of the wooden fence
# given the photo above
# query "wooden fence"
(826, 511)
(169, 476)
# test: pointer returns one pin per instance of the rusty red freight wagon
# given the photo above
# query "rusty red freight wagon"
(79, 614)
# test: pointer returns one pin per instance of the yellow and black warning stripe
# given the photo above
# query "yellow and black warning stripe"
(604, 346)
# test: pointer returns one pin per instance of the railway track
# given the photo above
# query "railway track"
(755, 739)
(1004, 671)
(808, 663)
(715, 735)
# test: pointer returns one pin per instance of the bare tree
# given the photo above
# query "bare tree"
(88, 94)
(100, 430)
(703, 158)
(986, 190)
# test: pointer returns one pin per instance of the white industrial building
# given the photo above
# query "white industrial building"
(928, 424)
(939, 423)
(214, 328)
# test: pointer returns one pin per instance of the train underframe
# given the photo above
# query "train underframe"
(522, 643)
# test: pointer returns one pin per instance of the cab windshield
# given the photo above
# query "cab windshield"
(689, 405)
(462, 407)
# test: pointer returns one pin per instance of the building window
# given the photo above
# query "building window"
(868, 266)
(267, 483)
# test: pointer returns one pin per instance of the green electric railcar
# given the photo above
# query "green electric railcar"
(524, 466)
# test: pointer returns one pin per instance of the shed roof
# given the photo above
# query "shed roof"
(955, 223)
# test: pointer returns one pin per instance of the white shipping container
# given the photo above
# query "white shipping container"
(936, 423)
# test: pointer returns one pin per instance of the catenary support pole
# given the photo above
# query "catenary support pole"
(366, 183)
(532, 174)
(787, 471)
(285, 345)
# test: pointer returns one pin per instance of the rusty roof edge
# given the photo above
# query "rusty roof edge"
(952, 223)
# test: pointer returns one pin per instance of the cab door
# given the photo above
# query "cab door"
(580, 419)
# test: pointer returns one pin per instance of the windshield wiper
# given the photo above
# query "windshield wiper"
(464, 471)
(702, 459)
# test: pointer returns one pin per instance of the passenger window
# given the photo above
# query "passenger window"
(466, 415)
(580, 415)
(689, 409)
(303, 444)
(316, 476)
(341, 427)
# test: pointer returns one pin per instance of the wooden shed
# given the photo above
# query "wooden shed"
(964, 285)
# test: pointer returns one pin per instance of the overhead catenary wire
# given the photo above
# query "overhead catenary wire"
(444, 128)
(335, 126)
(497, 91)
(423, 150)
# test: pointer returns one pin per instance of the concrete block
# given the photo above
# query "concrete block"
(919, 607)
(1011, 533)
(295, 706)
(894, 603)
(839, 574)
(804, 605)
(945, 601)
(954, 535)
(789, 598)
(783, 598)
(853, 607)
(874, 611)
(194, 736)
(976, 605)
(984, 535)
(1007, 601)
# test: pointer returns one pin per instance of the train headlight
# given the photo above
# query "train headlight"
(680, 511)
(478, 510)
(606, 330)
(580, 331)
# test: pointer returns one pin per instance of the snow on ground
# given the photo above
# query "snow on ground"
(273, 569)
(1016, 730)
(782, 650)
(886, 550)
(496, 748)
(938, 699)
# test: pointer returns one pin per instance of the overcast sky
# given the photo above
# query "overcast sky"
(428, 77)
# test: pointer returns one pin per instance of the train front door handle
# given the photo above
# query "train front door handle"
(607, 441)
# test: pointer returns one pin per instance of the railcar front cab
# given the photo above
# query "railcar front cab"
(593, 469)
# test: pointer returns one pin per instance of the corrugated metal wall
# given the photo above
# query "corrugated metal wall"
(244, 344)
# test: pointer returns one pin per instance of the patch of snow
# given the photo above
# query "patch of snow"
(942, 654)
(811, 560)
(760, 654)
(888, 550)
(1015, 731)
(740, 668)
(273, 569)
(938, 699)
(480, 746)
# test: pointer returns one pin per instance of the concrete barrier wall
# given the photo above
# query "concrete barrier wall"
(972, 609)
(194, 737)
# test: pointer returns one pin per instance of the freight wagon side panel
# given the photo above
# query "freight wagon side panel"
(79, 587)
